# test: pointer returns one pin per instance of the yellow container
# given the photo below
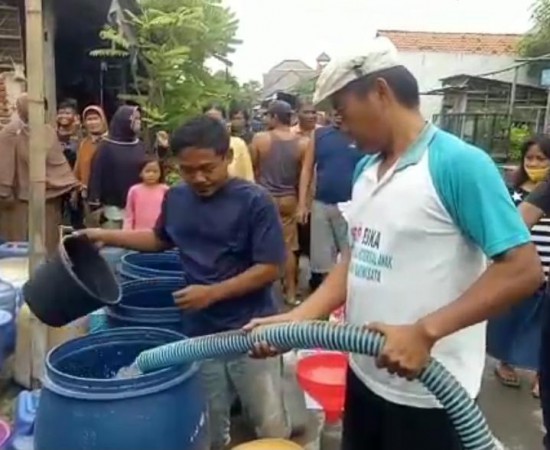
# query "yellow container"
(269, 444)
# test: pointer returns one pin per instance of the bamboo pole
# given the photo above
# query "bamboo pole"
(37, 167)
(49, 61)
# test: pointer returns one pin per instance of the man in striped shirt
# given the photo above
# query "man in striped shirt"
(535, 206)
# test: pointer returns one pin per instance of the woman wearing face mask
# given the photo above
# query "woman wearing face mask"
(514, 337)
(117, 166)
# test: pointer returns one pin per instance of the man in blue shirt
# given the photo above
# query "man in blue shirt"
(231, 245)
(331, 160)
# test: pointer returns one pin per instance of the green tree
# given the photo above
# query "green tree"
(537, 41)
(249, 94)
(173, 40)
(305, 89)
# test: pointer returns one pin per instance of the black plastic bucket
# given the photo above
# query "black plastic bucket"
(73, 283)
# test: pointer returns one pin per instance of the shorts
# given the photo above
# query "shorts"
(329, 236)
(374, 423)
(287, 207)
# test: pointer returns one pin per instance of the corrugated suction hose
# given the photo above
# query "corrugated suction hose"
(463, 412)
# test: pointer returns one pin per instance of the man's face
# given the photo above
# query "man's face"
(203, 169)
(238, 122)
(367, 118)
(307, 116)
(93, 123)
(66, 117)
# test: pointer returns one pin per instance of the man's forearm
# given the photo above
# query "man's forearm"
(253, 279)
(138, 240)
(305, 183)
(530, 213)
(514, 278)
(328, 297)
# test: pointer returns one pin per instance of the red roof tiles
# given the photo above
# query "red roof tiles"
(476, 43)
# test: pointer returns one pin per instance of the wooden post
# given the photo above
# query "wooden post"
(50, 91)
(37, 166)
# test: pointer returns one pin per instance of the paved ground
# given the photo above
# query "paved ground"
(513, 415)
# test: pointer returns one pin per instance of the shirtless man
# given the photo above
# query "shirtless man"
(307, 120)
(279, 154)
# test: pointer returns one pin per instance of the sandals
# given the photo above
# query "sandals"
(507, 376)
(535, 389)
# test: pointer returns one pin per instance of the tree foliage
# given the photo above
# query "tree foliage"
(173, 40)
(249, 94)
(537, 41)
(305, 89)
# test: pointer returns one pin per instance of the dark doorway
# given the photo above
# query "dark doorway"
(86, 79)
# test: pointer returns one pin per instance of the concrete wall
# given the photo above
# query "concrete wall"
(430, 67)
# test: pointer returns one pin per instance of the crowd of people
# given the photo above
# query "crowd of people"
(404, 218)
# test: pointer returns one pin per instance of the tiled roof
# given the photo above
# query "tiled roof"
(477, 43)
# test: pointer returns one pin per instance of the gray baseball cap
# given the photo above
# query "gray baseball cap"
(379, 54)
(279, 107)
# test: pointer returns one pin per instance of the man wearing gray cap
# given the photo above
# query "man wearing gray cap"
(427, 210)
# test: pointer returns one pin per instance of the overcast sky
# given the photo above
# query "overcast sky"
(273, 30)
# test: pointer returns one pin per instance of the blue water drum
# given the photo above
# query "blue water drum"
(8, 303)
(84, 406)
(14, 249)
(113, 256)
(6, 325)
(137, 266)
(148, 303)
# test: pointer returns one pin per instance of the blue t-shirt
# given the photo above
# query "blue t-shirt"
(335, 158)
(218, 238)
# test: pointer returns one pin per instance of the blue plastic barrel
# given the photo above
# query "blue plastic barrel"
(113, 256)
(137, 266)
(8, 302)
(83, 406)
(148, 303)
(6, 325)
(14, 249)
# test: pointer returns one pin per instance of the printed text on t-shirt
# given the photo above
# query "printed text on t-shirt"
(367, 261)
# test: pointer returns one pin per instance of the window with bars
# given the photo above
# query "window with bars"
(11, 41)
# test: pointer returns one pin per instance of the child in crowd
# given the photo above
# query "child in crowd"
(145, 199)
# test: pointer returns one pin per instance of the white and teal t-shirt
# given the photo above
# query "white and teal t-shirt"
(421, 236)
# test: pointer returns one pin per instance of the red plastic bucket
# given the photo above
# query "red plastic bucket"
(323, 377)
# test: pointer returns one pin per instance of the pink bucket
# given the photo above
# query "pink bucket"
(5, 433)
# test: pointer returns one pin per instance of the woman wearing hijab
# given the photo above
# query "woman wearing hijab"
(15, 182)
(95, 126)
(117, 165)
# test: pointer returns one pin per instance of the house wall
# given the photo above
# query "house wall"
(282, 80)
(430, 67)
